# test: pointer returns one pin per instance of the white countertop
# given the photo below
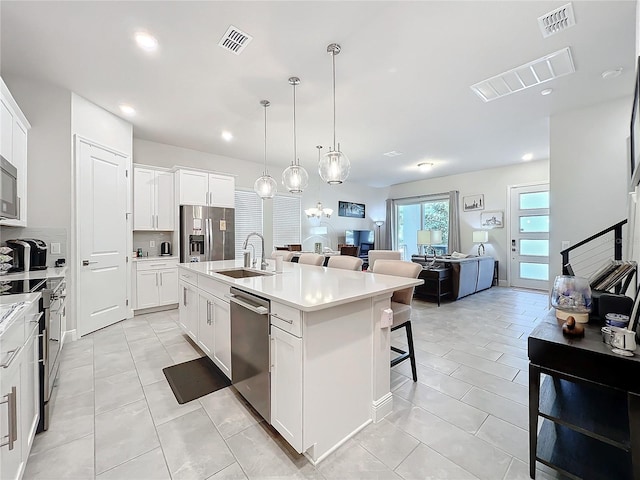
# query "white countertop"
(50, 272)
(306, 287)
(155, 258)
(6, 303)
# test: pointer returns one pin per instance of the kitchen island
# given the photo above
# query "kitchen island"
(328, 343)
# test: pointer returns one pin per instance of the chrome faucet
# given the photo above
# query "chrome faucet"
(263, 263)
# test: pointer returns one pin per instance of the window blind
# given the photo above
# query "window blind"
(248, 219)
(286, 220)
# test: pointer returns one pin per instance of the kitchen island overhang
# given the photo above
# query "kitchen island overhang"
(329, 353)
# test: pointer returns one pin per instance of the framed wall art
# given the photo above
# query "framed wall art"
(492, 219)
(350, 209)
(473, 202)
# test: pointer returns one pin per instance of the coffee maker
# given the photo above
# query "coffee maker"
(28, 254)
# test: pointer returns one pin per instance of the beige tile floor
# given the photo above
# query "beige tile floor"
(115, 416)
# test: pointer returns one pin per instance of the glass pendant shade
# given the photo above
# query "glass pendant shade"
(265, 186)
(334, 167)
(295, 178)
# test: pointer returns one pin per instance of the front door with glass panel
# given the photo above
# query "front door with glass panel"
(529, 242)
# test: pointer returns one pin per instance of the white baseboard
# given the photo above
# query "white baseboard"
(310, 452)
(381, 407)
(161, 308)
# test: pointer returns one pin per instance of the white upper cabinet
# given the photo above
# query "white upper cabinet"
(204, 188)
(153, 199)
(13, 147)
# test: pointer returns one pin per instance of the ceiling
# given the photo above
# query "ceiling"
(402, 84)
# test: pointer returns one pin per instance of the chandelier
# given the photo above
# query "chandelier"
(295, 178)
(334, 167)
(265, 186)
(318, 211)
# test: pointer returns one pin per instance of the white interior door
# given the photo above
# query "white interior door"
(102, 237)
(530, 236)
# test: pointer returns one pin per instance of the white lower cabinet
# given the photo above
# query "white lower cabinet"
(286, 386)
(156, 283)
(19, 412)
(205, 317)
(188, 314)
(222, 335)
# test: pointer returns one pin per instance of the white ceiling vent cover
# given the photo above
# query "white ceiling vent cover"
(529, 75)
(235, 40)
(557, 20)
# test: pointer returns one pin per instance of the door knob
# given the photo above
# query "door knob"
(87, 262)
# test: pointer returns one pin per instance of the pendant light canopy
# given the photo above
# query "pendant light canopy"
(334, 167)
(265, 186)
(295, 178)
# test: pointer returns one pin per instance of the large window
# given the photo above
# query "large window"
(286, 220)
(248, 219)
(424, 213)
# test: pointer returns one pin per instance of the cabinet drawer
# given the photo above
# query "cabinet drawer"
(188, 276)
(213, 287)
(156, 265)
(286, 318)
(13, 338)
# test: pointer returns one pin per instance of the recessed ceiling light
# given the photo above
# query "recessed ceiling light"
(146, 41)
(127, 110)
(392, 153)
(228, 136)
(546, 91)
(425, 166)
(612, 73)
(527, 156)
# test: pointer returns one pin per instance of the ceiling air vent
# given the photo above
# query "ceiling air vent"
(557, 20)
(235, 40)
(529, 75)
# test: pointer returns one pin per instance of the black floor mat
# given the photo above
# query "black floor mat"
(195, 378)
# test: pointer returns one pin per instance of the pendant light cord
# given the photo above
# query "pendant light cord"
(333, 60)
(265, 139)
(295, 148)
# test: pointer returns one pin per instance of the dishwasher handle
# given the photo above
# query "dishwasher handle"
(259, 309)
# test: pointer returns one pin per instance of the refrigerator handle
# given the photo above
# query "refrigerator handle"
(207, 255)
(210, 238)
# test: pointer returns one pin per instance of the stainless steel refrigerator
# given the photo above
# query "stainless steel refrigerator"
(206, 233)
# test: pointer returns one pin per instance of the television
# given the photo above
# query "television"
(360, 238)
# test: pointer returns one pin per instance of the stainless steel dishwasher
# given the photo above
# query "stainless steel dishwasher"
(250, 349)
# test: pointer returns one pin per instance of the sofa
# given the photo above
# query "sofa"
(468, 275)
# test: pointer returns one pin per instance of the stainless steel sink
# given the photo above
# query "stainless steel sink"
(243, 273)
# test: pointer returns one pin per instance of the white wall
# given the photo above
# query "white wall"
(153, 153)
(588, 175)
(493, 183)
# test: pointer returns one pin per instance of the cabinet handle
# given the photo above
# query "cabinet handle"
(160, 273)
(184, 296)
(208, 312)
(13, 355)
(290, 322)
(12, 417)
(272, 351)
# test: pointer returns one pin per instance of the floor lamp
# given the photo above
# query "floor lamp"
(379, 223)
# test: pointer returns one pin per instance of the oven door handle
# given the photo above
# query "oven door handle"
(259, 309)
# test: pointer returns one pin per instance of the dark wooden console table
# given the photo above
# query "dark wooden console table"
(589, 403)
(437, 282)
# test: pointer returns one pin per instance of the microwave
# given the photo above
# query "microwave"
(9, 201)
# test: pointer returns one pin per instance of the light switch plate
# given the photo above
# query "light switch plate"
(223, 225)
(152, 244)
(55, 249)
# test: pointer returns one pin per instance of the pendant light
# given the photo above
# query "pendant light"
(334, 167)
(295, 178)
(265, 186)
(318, 210)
